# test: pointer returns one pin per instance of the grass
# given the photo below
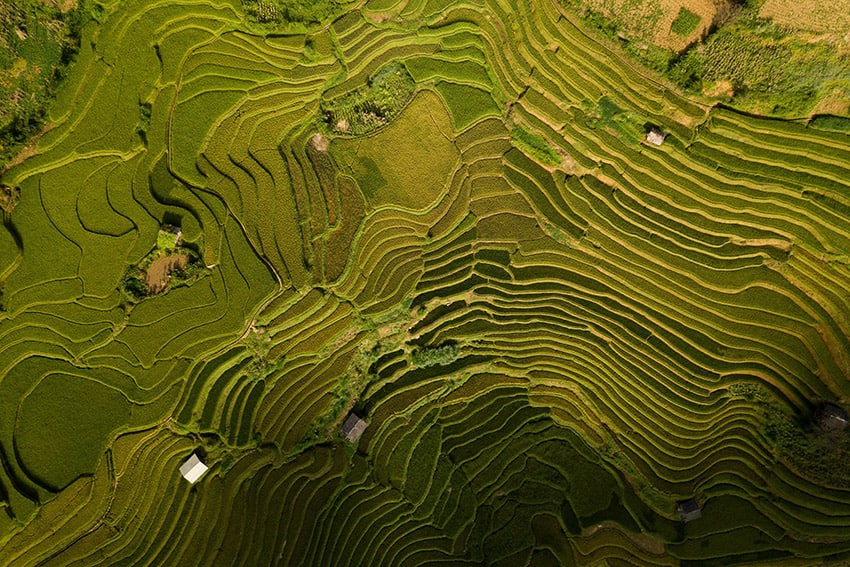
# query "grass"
(467, 104)
(371, 107)
(287, 12)
(535, 145)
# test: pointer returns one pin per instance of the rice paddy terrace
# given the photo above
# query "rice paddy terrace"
(443, 215)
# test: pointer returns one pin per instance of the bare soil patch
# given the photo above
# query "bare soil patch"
(319, 143)
(160, 270)
(380, 17)
(720, 89)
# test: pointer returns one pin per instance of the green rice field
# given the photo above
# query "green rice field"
(443, 215)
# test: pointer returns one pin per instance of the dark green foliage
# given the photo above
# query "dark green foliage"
(607, 115)
(435, 356)
(133, 284)
(226, 462)
(827, 122)
(307, 12)
(685, 23)
(535, 145)
(771, 71)
(145, 109)
(656, 58)
(687, 70)
(823, 457)
(37, 43)
(372, 106)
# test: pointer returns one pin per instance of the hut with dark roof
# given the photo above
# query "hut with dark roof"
(353, 427)
(830, 418)
(689, 510)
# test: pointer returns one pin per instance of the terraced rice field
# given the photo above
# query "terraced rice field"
(555, 330)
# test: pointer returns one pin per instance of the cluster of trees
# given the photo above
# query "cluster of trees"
(437, 355)
(306, 12)
(38, 42)
(372, 106)
(812, 445)
(769, 69)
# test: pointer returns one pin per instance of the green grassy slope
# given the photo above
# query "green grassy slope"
(555, 329)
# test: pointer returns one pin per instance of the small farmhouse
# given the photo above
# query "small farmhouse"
(193, 469)
(655, 136)
(689, 510)
(353, 427)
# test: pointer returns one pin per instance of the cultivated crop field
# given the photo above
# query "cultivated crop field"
(444, 216)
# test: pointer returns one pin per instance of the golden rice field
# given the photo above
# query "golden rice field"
(446, 217)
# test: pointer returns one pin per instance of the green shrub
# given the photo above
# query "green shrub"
(435, 356)
(828, 122)
(37, 43)
(823, 458)
(606, 115)
(685, 23)
(372, 106)
(307, 12)
(535, 145)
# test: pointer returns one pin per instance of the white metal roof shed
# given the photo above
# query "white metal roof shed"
(193, 469)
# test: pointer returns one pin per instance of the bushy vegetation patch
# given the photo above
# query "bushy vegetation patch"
(170, 264)
(372, 106)
(304, 12)
(38, 40)
(820, 455)
(826, 122)
(770, 71)
(607, 115)
(535, 145)
(441, 355)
